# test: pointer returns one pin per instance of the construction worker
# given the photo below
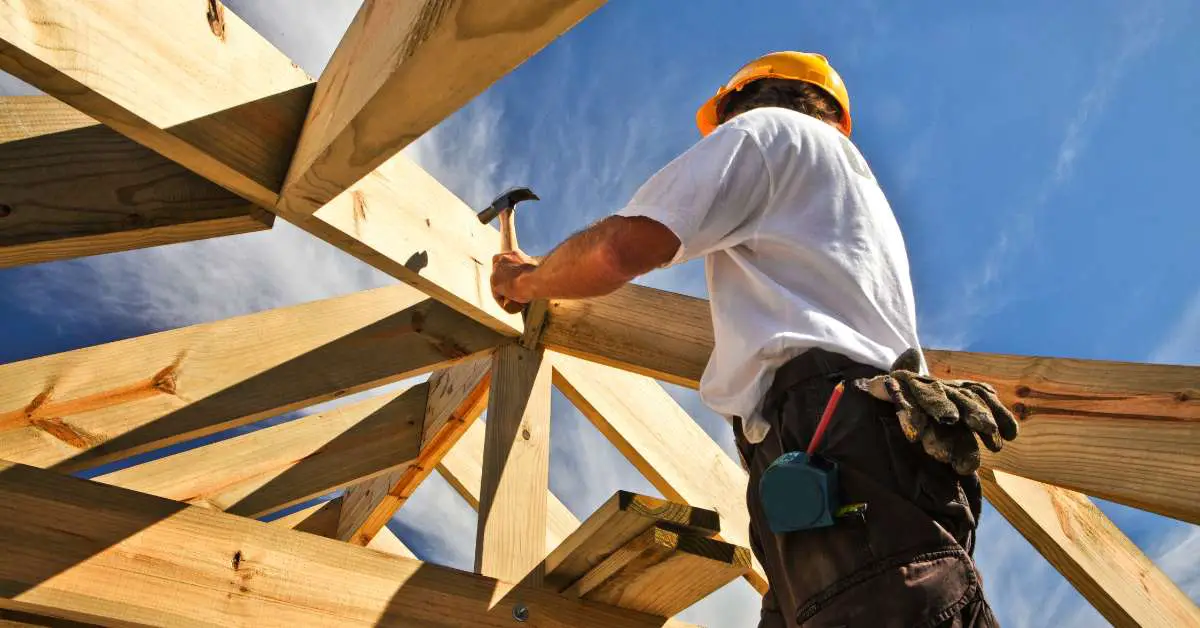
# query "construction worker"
(809, 285)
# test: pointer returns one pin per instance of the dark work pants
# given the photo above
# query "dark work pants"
(906, 561)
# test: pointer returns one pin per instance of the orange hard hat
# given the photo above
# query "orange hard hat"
(809, 67)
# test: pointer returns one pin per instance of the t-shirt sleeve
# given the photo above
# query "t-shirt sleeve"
(711, 196)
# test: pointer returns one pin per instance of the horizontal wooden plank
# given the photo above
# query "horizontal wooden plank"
(1125, 432)
(214, 95)
(1077, 416)
(84, 189)
(662, 572)
(92, 552)
(664, 335)
(662, 441)
(400, 69)
(78, 409)
(619, 520)
(1090, 552)
(269, 469)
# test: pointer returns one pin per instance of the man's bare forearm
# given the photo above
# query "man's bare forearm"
(600, 259)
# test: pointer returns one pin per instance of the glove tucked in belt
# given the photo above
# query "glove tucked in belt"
(945, 416)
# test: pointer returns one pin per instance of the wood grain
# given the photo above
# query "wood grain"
(511, 539)
(78, 409)
(662, 441)
(266, 470)
(462, 467)
(660, 334)
(403, 67)
(662, 572)
(619, 520)
(228, 107)
(456, 397)
(322, 518)
(1090, 552)
(83, 189)
(27, 117)
(402, 221)
(1128, 433)
(92, 552)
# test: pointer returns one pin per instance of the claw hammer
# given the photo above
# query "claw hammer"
(504, 207)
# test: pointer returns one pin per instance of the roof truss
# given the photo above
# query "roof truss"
(218, 108)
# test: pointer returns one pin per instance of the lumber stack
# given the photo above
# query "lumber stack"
(645, 554)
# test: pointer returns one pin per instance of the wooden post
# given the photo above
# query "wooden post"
(511, 538)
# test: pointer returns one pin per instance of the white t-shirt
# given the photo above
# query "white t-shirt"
(801, 250)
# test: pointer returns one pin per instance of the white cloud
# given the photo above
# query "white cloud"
(979, 294)
(1181, 344)
(1178, 555)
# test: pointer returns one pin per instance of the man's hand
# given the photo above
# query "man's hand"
(510, 285)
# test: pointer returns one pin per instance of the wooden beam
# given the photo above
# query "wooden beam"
(1092, 553)
(660, 334)
(511, 539)
(617, 522)
(85, 190)
(462, 467)
(401, 68)
(91, 552)
(231, 108)
(214, 95)
(78, 409)
(400, 220)
(1077, 416)
(27, 117)
(322, 519)
(266, 470)
(662, 441)
(662, 572)
(456, 397)
(1128, 433)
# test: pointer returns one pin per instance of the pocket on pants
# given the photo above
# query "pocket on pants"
(923, 590)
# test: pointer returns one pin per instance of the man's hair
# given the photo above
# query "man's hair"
(773, 92)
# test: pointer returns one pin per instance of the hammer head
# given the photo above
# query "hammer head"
(507, 200)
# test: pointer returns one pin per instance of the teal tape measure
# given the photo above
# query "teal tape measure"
(799, 490)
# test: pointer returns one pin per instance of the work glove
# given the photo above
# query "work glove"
(945, 416)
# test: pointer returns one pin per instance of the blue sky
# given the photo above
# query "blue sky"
(1039, 157)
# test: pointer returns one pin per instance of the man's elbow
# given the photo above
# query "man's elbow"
(640, 246)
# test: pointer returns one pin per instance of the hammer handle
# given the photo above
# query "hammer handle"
(508, 232)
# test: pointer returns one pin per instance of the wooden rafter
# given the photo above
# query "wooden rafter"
(70, 187)
(456, 397)
(266, 470)
(215, 96)
(422, 59)
(77, 409)
(91, 552)
(1092, 553)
